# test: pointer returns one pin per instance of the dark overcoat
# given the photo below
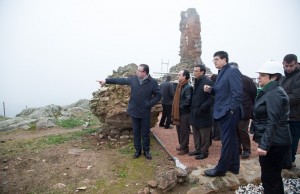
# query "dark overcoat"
(201, 104)
(142, 97)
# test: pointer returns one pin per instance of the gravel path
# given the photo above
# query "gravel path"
(168, 138)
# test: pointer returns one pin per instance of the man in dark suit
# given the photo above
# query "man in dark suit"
(167, 91)
(144, 94)
(228, 92)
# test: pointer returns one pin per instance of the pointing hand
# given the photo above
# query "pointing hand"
(101, 82)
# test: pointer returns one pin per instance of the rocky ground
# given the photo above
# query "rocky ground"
(61, 161)
(46, 156)
(249, 170)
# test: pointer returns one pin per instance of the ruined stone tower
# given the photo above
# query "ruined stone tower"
(190, 40)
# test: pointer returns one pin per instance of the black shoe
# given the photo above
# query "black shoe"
(213, 173)
(194, 153)
(161, 125)
(169, 127)
(201, 156)
(246, 154)
(136, 154)
(148, 155)
(234, 171)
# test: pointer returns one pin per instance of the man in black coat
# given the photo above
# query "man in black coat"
(167, 91)
(201, 119)
(291, 85)
(144, 94)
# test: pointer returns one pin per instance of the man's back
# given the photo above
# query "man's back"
(249, 94)
(167, 92)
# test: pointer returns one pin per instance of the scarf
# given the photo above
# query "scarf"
(263, 89)
(176, 103)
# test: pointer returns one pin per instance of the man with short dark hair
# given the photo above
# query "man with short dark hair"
(167, 92)
(201, 119)
(144, 94)
(181, 111)
(291, 85)
(228, 92)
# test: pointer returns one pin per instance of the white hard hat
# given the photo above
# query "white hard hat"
(271, 67)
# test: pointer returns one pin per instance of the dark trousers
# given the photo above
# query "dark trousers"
(201, 139)
(141, 133)
(216, 133)
(183, 131)
(166, 115)
(230, 159)
(243, 135)
(271, 167)
(295, 133)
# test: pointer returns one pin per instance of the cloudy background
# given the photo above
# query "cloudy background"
(52, 51)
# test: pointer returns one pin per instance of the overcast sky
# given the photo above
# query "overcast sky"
(52, 51)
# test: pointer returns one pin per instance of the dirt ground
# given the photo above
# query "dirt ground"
(46, 161)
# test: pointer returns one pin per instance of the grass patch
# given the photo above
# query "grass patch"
(127, 150)
(58, 139)
(130, 175)
(70, 123)
(3, 118)
(34, 145)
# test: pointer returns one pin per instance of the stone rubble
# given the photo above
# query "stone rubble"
(291, 186)
(246, 182)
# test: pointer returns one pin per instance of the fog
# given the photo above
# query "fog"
(53, 51)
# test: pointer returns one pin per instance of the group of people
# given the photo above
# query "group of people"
(231, 101)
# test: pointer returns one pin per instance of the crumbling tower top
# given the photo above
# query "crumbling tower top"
(190, 39)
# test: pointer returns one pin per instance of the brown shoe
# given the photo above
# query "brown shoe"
(182, 152)
(194, 153)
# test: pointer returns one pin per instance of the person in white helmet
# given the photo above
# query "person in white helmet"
(270, 126)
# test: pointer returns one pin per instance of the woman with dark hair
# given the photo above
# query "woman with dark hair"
(270, 126)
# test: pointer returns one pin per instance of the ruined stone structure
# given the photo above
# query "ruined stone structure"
(190, 42)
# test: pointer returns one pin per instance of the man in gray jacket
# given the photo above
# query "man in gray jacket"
(167, 91)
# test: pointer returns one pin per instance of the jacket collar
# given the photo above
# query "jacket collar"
(271, 85)
(224, 68)
(290, 74)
